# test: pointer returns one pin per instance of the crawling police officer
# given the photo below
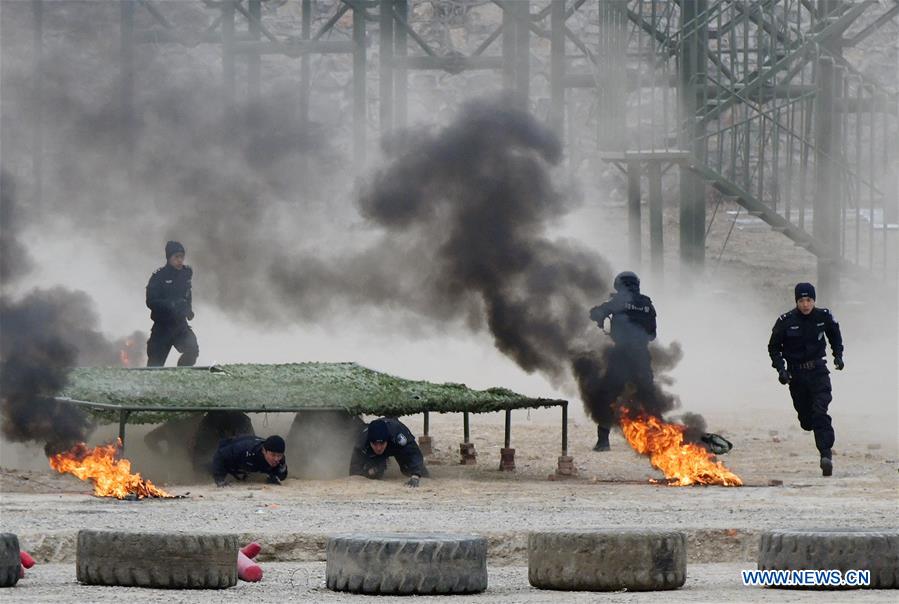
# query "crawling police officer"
(170, 302)
(633, 327)
(383, 438)
(244, 454)
(798, 338)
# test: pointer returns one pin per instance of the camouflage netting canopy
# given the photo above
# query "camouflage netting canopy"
(153, 395)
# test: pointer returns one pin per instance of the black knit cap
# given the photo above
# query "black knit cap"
(172, 248)
(378, 431)
(805, 290)
(274, 444)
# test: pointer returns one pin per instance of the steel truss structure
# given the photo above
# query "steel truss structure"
(754, 102)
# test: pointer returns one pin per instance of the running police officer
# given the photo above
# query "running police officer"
(798, 338)
(170, 304)
(633, 327)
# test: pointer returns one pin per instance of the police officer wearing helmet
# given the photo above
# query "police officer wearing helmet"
(170, 301)
(384, 438)
(633, 327)
(797, 340)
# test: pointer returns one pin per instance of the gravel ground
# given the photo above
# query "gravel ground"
(305, 581)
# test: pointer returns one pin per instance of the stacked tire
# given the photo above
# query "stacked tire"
(9, 560)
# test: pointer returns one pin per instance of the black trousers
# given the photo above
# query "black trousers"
(163, 336)
(810, 389)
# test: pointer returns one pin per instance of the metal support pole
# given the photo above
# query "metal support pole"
(123, 419)
(508, 434)
(385, 50)
(305, 63)
(401, 74)
(825, 223)
(427, 424)
(509, 27)
(633, 212)
(254, 60)
(466, 437)
(523, 51)
(359, 101)
(37, 148)
(656, 246)
(126, 57)
(228, 72)
(565, 429)
(557, 68)
(691, 83)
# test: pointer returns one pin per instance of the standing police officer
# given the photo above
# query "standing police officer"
(798, 339)
(633, 327)
(170, 304)
(384, 438)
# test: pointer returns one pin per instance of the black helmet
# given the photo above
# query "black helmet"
(627, 280)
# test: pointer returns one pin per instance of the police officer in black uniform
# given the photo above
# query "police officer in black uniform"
(244, 454)
(633, 327)
(383, 438)
(798, 338)
(170, 304)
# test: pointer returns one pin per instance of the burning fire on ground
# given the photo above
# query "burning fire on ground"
(127, 355)
(111, 477)
(682, 463)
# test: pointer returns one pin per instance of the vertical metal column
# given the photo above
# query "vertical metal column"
(305, 62)
(507, 437)
(385, 50)
(825, 219)
(691, 80)
(557, 68)
(633, 213)
(401, 74)
(565, 429)
(656, 245)
(523, 51)
(466, 436)
(360, 125)
(37, 133)
(509, 27)
(228, 73)
(254, 60)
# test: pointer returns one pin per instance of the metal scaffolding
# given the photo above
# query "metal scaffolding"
(754, 102)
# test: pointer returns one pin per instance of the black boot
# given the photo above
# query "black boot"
(826, 463)
(602, 439)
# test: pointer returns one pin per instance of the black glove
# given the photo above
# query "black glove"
(272, 479)
(783, 376)
(190, 315)
(221, 483)
(413, 482)
(838, 363)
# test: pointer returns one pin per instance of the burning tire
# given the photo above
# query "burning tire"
(607, 560)
(839, 549)
(161, 560)
(9, 560)
(407, 564)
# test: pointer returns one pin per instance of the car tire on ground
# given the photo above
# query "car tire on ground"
(834, 549)
(407, 564)
(9, 560)
(607, 560)
(162, 560)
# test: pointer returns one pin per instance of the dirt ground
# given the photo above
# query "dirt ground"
(292, 521)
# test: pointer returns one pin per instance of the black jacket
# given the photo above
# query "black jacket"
(169, 296)
(242, 455)
(633, 317)
(798, 338)
(401, 446)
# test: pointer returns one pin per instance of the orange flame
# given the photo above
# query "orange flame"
(682, 463)
(111, 477)
(124, 357)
